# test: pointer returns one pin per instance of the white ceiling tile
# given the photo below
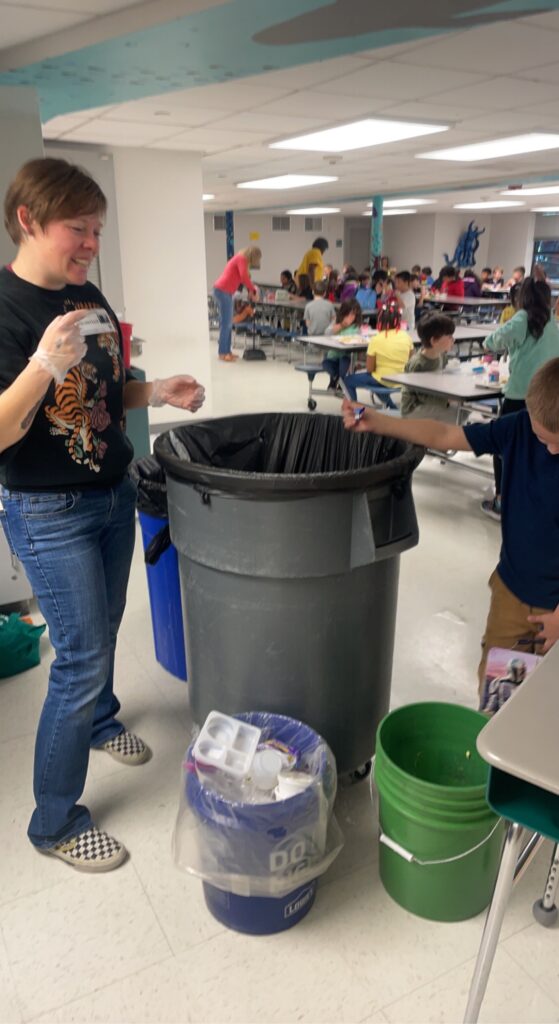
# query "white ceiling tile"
(503, 93)
(504, 121)
(429, 109)
(399, 81)
(306, 75)
(234, 95)
(58, 125)
(148, 111)
(21, 24)
(492, 50)
(101, 131)
(547, 73)
(327, 105)
(269, 124)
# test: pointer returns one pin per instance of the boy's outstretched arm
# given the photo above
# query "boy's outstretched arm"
(429, 433)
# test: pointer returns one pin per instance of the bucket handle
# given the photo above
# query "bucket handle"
(410, 857)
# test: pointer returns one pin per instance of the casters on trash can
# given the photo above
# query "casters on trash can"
(544, 916)
(311, 404)
(357, 775)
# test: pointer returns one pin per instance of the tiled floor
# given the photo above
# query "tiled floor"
(139, 946)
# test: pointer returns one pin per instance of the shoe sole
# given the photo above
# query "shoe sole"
(89, 867)
(132, 760)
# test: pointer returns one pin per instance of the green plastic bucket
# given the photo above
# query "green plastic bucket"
(440, 841)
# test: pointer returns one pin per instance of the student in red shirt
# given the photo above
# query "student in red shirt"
(234, 275)
(451, 282)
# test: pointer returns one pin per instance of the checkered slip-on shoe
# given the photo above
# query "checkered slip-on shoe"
(91, 850)
(127, 748)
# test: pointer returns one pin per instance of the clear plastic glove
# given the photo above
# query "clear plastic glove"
(62, 345)
(182, 391)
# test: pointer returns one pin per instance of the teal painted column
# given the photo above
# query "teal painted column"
(376, 231)
(229, 234)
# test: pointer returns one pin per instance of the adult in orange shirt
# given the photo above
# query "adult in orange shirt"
(235, 274)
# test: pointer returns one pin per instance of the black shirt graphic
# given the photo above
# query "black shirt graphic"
(77, 438)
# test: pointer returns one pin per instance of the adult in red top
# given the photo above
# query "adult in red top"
(235, 274)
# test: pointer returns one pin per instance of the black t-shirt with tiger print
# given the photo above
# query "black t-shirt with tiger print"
(77, 438)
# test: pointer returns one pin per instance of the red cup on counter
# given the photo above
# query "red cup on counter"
(126, 330)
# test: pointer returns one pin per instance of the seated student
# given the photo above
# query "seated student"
(498, 277)
(436, 333)
(349, 286)
(304, 290)
(319, 313)
(348, 321)
(517, 277)
(405, 297)
(365, 295)
(288, 282)
(331, 285)
(388, 353)
(427, 276)
(416, 270)
(451, 284)
(512, 308)
(485, 278)
(525, 585)
(472, 284)
(379, 284)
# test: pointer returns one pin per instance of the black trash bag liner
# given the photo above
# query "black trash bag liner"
(158, 546)
(149, 478)
(289, 454)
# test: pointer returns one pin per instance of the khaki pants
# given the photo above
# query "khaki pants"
(506, 623)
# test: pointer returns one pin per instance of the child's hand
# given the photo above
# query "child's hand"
(549, 632)
(360, 424)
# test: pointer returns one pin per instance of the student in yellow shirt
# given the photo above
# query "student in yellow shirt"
(312, 264)
(510, 310)
(388, 353)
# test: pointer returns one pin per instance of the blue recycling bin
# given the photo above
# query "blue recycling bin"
(263, 842)
(165, 601)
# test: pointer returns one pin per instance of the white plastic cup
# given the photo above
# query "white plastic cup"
(291, 783)
(265, 769)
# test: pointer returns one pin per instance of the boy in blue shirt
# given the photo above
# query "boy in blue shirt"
(525, 585)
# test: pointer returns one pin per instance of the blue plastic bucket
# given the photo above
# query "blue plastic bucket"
(165, 601)
(261, 839)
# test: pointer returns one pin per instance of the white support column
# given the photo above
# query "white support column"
(161, 227)
(22, 140)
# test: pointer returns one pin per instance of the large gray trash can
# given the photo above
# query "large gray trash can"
(289, 531)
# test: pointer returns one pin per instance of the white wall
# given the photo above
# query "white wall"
(98, 162)
(161, 222)
(280, 249)
(511, 241)
(21, 140)
(409, 240)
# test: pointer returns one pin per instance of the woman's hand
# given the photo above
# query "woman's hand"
(182, 391)
(549, 631)
(61, 346)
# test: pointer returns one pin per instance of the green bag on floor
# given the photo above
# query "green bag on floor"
(19, 645)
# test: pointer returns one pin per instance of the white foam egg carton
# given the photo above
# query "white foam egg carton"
(225, 742)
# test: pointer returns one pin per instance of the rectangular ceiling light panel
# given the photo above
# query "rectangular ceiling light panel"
(359, 135)
(287, 181)
(515, 145)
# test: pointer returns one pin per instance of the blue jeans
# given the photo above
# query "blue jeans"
(366, 380)
(76, 548)
(225, 305)
(336, 367)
